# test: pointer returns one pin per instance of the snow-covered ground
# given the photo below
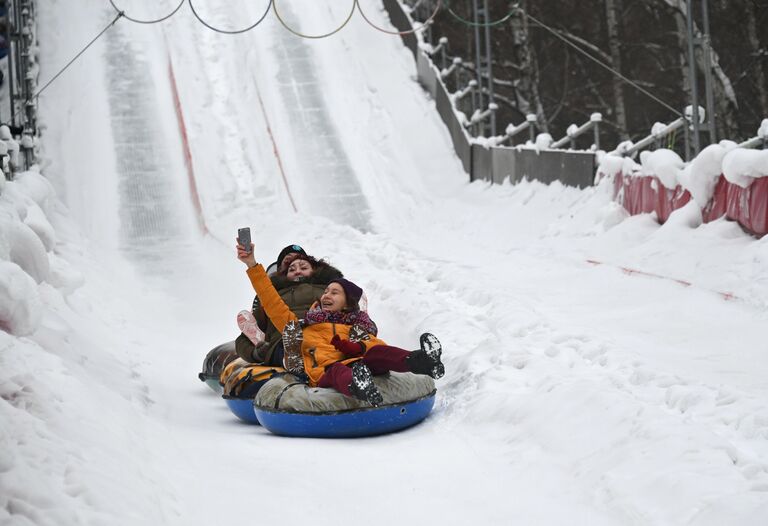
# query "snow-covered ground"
(575, 393)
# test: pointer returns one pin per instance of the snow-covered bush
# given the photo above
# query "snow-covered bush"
(19, 300)
(27, 258)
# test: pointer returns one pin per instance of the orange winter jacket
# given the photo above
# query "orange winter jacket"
(316, 348)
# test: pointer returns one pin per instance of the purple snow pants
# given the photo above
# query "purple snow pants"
(379, 359)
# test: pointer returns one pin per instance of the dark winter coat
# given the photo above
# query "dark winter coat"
(298, 296)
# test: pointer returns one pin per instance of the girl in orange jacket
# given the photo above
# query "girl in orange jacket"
(336, 346)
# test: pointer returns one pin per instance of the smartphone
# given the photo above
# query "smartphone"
(244, 237)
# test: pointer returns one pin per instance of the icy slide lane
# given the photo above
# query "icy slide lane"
(573, 395)
(151, 225)
(333, 181)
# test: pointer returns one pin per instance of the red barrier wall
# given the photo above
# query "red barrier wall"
(716, 206)
(748, 206)
(756, 220)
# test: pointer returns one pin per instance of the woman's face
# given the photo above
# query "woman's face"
(333, 299)
(298, 269)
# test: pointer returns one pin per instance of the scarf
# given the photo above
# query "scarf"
(357, 318)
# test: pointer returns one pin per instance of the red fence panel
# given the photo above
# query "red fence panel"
(646, 194)
(663, 202)
(735, 202)
(647, 191)
(757, 206)
(680, 198)
(618, 183)
(716, 207)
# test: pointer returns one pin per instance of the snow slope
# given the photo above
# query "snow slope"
(575, 393)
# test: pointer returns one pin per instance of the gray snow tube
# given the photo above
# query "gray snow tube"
(286, 406)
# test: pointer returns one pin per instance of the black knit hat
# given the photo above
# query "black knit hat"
(290, 249)
(351, 291)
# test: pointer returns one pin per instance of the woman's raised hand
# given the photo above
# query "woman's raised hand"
(246, 256)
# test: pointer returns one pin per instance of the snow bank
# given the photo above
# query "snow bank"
(609, 165)
(763, 130)
(700, 176)
(27, 257)
(19, 300)
(60, 370)
(741, 166)
(543, 141)
(664, 164)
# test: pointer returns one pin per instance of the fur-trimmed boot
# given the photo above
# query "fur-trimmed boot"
(293, 337)
(362, 386)
(427, 359)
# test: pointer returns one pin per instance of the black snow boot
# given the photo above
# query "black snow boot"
(362, 386)
(427, 359)
(293, 337)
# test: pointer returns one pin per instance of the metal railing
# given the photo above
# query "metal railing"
(451, 80)
(17, 136)
(685, 123)
(528, 124)
(575, 131)
(760, 140)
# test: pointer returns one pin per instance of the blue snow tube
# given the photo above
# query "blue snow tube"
(242, 408)
(345, 424)
(242, 384)
(288, 407)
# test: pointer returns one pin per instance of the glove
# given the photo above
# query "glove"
(348, 348)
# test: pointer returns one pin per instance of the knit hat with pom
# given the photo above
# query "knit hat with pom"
(351, 291)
